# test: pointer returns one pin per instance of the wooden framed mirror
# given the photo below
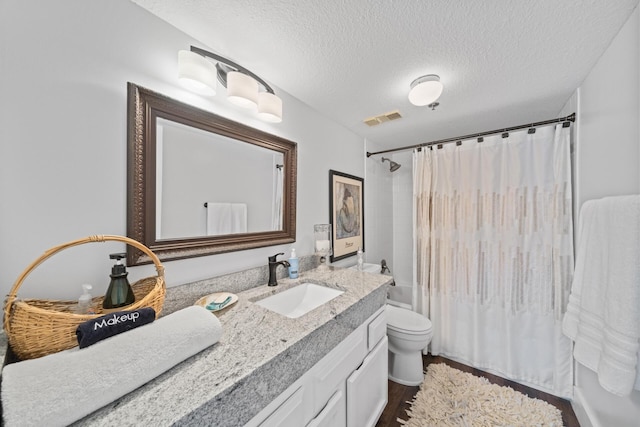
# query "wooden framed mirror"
(200, 184)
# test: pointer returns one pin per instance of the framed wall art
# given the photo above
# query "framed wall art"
(346, 213)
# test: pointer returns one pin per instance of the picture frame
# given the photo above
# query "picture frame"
(346, 213)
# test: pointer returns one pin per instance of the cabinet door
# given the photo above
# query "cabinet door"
(367, 388)
(290, 413)
(332, 371)
(334, 414)
(376, 330)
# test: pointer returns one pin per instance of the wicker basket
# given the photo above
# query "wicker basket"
(36, 328)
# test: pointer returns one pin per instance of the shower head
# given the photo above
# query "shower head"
(393, 166)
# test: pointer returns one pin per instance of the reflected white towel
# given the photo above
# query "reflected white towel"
(603, 314)
(238, 218)
(63, 387)
(218, 218)
(226, 218)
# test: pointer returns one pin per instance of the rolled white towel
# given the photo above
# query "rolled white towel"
(63, 387)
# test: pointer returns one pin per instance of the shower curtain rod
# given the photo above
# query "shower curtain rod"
(566, 120)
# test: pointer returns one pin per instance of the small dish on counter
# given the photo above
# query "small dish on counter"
(217, 301)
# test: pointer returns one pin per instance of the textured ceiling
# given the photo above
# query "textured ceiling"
(503, 62)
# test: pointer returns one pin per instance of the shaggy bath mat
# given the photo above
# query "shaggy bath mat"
(449, 397)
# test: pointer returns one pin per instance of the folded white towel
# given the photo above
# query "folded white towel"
(63, 387)
(603, 314)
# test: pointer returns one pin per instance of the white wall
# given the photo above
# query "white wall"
(379, 221)
(608, 149)
(403, 219)
(63, 95)
(198, 167)
(607, 153)
(389, 223)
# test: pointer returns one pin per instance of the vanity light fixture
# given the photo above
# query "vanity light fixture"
(198, 70)
(196, 73)
(425, 90)
(242, 90)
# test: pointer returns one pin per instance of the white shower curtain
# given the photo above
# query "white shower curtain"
(276, 207)
(494, 253)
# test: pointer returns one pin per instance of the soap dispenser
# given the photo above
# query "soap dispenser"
(85, 301)
(360, 260)
(119, 293)
(293, 264)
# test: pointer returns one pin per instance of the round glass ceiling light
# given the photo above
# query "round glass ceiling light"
(242, 89)
(425, 90)
(196, 73)
(269, 107)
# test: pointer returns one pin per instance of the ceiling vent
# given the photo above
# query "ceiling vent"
(387, 117)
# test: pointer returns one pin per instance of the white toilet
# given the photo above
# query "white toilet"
(408, 333)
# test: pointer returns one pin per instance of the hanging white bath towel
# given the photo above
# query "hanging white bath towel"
(603, 314)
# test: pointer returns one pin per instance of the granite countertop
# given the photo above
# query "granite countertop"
(260, 354)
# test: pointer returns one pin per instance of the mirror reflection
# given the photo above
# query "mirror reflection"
(209, 185)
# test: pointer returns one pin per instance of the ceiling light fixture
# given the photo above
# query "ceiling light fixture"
(425, 90)
(198, 73)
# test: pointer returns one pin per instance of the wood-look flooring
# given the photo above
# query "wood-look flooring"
(399, 395)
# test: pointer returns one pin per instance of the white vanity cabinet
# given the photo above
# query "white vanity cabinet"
(367, 390)
(289, 413)
(332, 415)
(347, 387)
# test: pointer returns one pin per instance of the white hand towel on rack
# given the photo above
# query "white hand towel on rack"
(238, 217)
(603, 314)
(219, 219)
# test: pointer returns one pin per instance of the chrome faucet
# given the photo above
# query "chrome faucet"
(383, 267)
(273, 264)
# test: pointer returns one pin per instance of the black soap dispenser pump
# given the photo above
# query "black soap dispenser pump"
(119, 293)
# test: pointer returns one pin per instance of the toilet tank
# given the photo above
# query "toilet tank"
(369, 268)
(397, 295)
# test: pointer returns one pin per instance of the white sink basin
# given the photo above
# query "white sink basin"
(299, 300)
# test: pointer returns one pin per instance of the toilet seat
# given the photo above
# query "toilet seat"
(406, 321)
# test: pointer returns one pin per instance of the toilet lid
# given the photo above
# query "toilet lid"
(405, 320)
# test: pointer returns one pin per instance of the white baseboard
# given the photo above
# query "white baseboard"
(582, 409)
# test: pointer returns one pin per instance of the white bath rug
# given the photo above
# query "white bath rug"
(449, 397)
